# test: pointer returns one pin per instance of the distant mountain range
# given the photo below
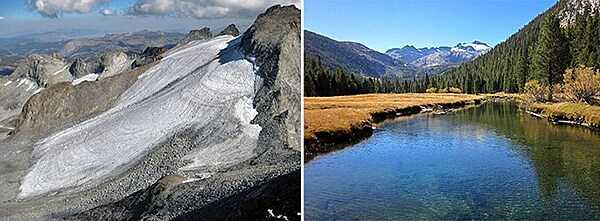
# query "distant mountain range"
(405, 62)
(439, 58)
(353, 56)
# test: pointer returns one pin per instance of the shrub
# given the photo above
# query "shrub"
(455, 90)
(445, 90)
(536, 92)
(581, 84)
(432, 90)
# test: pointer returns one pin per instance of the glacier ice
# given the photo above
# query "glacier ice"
(192, 86)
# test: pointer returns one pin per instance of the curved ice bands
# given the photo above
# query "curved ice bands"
(189, 87)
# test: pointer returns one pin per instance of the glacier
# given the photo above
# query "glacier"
(191, 86)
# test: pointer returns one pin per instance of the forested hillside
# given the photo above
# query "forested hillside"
(541, 51)
(565, 36)
(320, 80)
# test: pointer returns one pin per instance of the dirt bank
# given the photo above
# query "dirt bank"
(568, 113)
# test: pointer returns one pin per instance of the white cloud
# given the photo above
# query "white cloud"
(2, 18)
(205, 8)
(107, 12)
(53, 8)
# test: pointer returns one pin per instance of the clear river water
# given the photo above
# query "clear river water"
(482, 163)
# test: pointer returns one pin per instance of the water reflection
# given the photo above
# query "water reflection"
(490, 162)
(557, 153)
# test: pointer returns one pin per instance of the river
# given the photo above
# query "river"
(488, 162)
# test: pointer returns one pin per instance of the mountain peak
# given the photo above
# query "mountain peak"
(480, 43)
(409, 47)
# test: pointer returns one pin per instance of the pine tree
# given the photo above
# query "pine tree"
(551, 53)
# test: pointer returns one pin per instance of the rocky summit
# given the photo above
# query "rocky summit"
(230, 30)
(196, 35)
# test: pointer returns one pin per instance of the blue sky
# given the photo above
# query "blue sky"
(385, 24)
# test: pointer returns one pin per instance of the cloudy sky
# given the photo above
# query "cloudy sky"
(19, 17)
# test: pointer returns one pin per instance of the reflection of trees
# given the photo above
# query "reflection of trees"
(557, 153)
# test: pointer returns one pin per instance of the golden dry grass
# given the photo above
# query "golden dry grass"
(340, 114)
(590, 114)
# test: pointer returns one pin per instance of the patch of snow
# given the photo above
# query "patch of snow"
(191, 180)
(8, 128)
(477, 47)
(272, 214)
(192, 87)
(89, 77)
(7, 83)
(31, 86)
(458, 50)
(38, 90)
(60, 70)
(21, 82)
(198, 177)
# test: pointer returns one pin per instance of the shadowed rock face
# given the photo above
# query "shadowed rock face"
(150, 55)
(80, 68)
(231, 30)
(281, 195)
(274, 40)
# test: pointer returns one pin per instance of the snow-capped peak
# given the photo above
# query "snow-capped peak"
(439, 56)
(477, 45)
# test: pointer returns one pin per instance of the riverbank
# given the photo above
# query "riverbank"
(568, 113)
(332, 123)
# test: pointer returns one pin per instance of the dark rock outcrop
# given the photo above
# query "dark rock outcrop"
(80, 68)
(150, 55)
(281, 195)
(196, 35)
(231, 30)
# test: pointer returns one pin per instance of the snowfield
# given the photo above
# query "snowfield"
(193, 86)
(89, 77)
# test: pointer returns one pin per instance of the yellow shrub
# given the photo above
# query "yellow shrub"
(455, 90)
(432, 90)
(536, 92)
(581, 84)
